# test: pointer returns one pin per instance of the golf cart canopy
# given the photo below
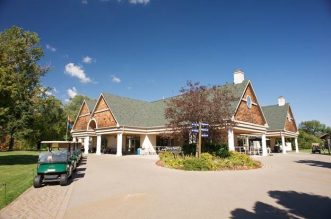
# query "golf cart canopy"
(57, 142)
(53, 157)
(60, 143)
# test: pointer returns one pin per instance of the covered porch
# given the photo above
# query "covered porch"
(251, 142)
(119, 143)
(283, 141)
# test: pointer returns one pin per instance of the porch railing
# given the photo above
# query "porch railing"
(173, 149)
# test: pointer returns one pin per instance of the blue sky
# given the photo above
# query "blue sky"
(148, 49)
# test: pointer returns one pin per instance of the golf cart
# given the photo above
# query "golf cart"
(58, 163)
(315, 148)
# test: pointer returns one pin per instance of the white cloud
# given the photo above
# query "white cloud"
(51, 48)
(84, 2)
(115, 79)
(77, 71)
(139, 2)
(87, 60)
(72, 92)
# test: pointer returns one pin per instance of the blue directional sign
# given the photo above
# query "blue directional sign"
(195, 130)
(204, 135)
(204, 130)
(204, 124)
(195, 124)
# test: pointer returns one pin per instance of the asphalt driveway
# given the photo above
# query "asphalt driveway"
(292, 185)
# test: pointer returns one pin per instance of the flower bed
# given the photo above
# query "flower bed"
(208, 162)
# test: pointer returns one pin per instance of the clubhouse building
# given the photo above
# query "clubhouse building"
(121, 125)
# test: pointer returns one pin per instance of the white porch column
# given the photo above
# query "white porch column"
(264, 146)
(86, 144)
(98, 152)
(296, 145)
(119, 144)
(247, 142)
(231, 139)
(283, 144)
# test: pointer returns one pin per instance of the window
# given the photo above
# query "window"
(249, 102)
(289, 117)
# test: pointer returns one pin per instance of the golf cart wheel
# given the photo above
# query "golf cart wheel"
(37, 181)
(63, 179)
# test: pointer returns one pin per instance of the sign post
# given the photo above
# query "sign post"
(202, 132)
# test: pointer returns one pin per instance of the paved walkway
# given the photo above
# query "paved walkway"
(46, 202)
(296, 185)
(292, 185)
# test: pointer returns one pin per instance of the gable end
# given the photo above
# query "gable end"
(253, 114)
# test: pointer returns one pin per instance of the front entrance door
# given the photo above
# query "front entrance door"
(132, 144)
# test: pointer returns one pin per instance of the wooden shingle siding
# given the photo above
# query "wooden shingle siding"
(101, 105)
(82, 118)
(81, 123)
(84, 110)
(290, 125)
(103, 115)
(253, 115)
(250, 92)
(105, 119)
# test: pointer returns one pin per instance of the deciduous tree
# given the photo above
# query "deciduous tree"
(196, 104)
(49, 120)
(73, 106)
(313, 127)
(20, 76)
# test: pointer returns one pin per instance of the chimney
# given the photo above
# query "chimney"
(281, 101)
(238, 76)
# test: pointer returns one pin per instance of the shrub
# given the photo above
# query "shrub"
(220, 150)
(305, 140)
(206, 162)
(166, 155)
(207, 156)
(223, 152)
(189, 149)
(238, 161)
(170, 160)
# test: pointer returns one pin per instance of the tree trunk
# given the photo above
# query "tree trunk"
(39, 145)
(11, 141)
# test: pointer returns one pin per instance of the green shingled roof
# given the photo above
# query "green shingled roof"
(276, 116)
(138, 113)
(237, 92)
(90, 104)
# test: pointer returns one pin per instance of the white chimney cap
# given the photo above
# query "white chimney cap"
(281, 101)
(238, 76)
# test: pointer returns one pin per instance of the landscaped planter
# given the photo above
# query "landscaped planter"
(208, 162)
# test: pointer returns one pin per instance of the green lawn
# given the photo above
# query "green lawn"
(17, 169)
